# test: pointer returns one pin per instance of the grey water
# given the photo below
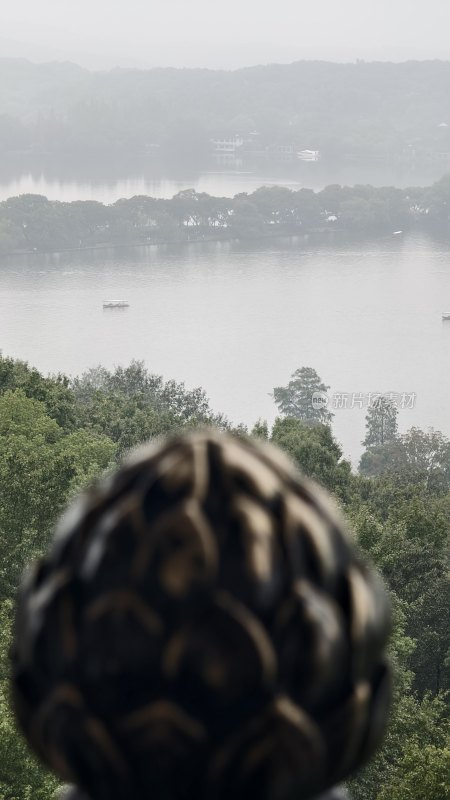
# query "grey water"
(239, 319)
(107, 183)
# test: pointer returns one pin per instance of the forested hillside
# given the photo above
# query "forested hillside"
(362, 109)
(56, 435)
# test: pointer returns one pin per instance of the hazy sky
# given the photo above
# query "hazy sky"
(230, 33)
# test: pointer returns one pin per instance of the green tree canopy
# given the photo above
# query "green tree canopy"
(417, 457)
(304, 398)
(56, 436)
(131, 405)
(53, 391)
(40, 466)
(381, 422)
(315, 452)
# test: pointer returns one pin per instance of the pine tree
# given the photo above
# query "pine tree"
(381, 422)
(305, 397)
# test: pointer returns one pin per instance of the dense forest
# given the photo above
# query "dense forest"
(368, 110)
(32, 223)
(57, 434)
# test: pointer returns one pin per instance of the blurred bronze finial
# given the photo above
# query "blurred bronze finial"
(202, 628)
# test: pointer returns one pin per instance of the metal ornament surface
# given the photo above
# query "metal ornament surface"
(202, 628)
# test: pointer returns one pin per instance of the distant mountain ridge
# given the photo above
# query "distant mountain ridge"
(385, 109)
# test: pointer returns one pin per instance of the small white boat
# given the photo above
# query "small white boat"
(115, 304)
(309, 155)
(446, 315)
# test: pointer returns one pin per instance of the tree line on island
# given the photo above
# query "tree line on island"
(58, 434)
(34, 223)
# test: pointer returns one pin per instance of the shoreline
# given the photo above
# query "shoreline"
(318, 235)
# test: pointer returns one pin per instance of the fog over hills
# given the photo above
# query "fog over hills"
(364, 109)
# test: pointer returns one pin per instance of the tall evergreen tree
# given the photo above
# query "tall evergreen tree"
(381, 422)
(305, 397)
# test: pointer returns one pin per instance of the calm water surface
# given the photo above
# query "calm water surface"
(239, 320)
(107, 184)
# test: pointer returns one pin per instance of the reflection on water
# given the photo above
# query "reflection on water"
(107, 183)
(238, 320)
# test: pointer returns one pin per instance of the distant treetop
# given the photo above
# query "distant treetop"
(305, 397)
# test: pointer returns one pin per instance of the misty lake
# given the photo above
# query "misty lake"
(238, 320)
